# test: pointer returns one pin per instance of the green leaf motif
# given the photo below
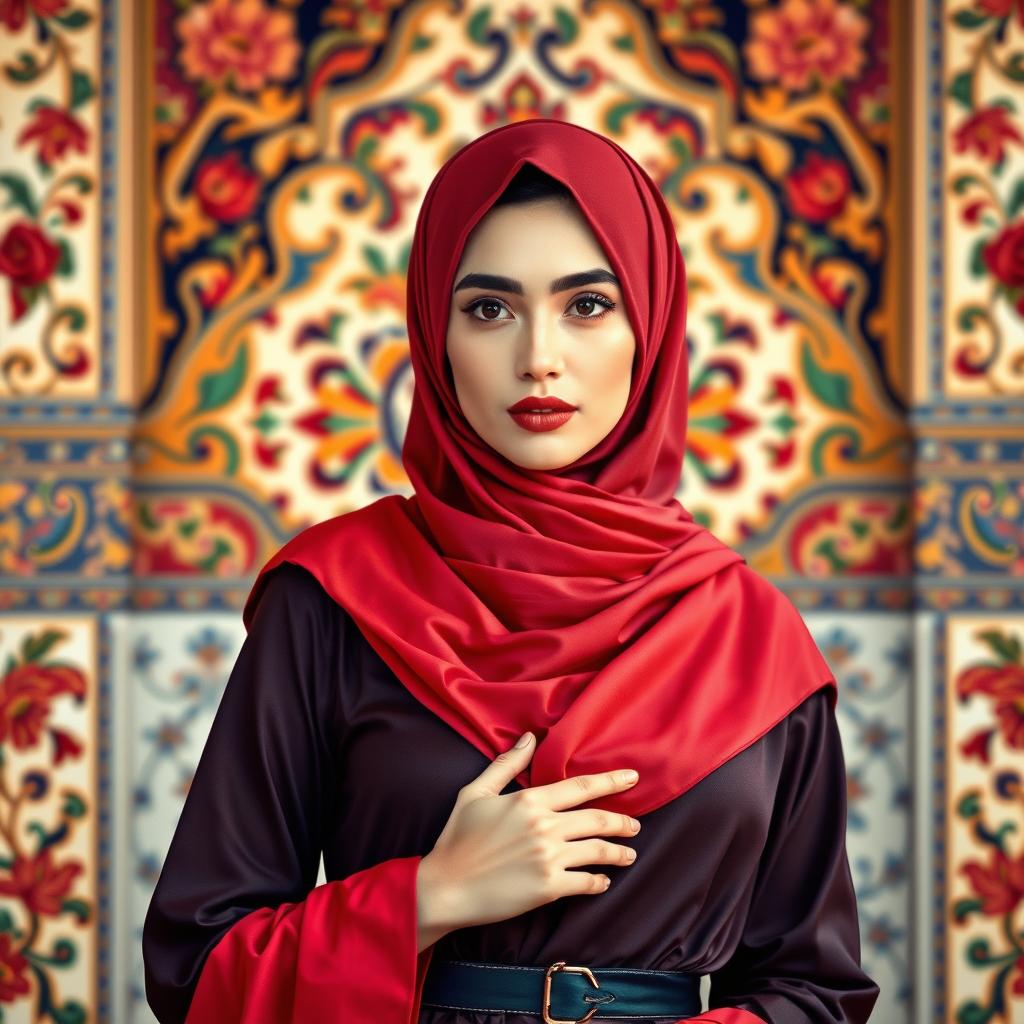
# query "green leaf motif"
(964, 181)
(218, 388)
(970, 805)
(74, 806)
(375, 258)
(1007, 647)
(969, 316)
(82, 89)
(618, 113)
(568, 28)
(969, 19)
(972, 1012)
(476, 27)
(963, 908)
(960, 89)
(66, 265)
(832, 389)
(81, 182)
(978, 267)
(1016, 203)
(20, 192)
(81, 909)
(25, 70)
(34, 647)
(146, 517)
(74, 19)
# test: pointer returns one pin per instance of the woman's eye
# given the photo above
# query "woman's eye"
(587, 304)
(489, 308)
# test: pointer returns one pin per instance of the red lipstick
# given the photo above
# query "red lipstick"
(540, 414)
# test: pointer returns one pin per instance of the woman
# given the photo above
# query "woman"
(542, 580)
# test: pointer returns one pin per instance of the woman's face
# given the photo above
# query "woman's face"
(537, 313)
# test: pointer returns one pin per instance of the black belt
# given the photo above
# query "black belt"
(514, 988)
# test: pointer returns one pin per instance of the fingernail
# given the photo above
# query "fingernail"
(524, 739)
(630, 775)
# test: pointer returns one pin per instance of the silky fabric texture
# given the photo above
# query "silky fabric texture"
(317, 746)
(584, 604)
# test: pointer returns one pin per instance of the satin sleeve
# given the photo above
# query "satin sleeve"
(237, 929)
(798, 961)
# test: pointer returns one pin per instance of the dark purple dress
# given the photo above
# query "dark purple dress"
(317, 745)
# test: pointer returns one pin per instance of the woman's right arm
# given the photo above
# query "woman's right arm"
(237, 930)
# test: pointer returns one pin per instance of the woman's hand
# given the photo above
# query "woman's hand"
(500, 855)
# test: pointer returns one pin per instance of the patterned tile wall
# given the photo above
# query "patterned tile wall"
(202, 350)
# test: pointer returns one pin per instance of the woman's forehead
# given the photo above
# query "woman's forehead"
(537, 241)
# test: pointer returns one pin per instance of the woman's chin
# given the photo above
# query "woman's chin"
(543, 455)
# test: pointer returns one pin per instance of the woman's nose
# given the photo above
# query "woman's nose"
(540, 355)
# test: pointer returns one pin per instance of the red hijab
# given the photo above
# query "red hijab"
(584, 604)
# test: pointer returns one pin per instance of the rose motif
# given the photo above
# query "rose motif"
(818, 190)
(226, 190)
(28, 258)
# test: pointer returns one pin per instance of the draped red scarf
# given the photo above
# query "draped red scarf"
(585, 603)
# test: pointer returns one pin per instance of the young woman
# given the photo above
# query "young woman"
(542, 580)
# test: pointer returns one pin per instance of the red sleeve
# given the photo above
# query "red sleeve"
(727, 1015)
(347, 950)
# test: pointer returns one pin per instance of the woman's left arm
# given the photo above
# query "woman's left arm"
(798, 961)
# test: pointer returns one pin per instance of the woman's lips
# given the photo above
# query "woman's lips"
(541, 421)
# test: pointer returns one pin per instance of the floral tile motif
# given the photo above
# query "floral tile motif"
(871, 656)
(51, 210)
(984, 818)
(176, 669)
(983, 189)
(49, 818)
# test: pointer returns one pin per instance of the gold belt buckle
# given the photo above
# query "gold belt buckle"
(561, 965)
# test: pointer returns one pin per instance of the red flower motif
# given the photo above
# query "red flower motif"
(56, 132)
(215, 287)
(985, 133)
(28, 258)
(226, 190)
(64, 745)
(269, 388)
(831, 290)
(13, 982)
(978, 746)
(13, 13)
(38, 884)
(1000, 885)
(803, 42)
(818, 190)
(241, 44)
(25, 695)
(269, 455)
(1004, 255)
(1003, 8)
(1006, 684)
(973, 210)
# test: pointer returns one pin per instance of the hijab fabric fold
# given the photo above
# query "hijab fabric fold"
(584, 603)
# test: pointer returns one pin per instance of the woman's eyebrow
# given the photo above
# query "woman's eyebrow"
(560, 284)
